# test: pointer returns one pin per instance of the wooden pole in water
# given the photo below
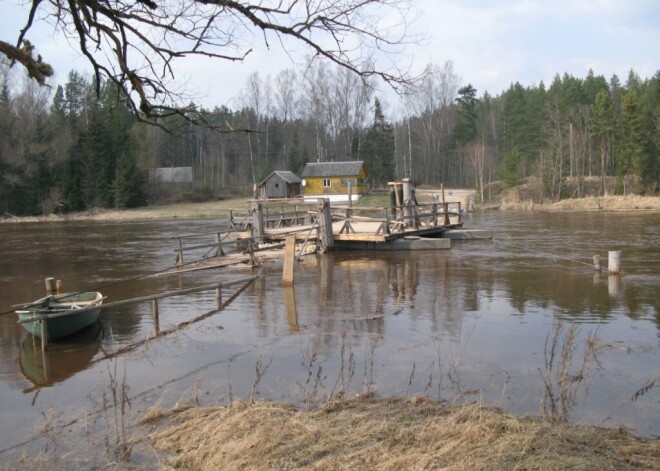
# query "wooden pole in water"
(614, 262)
(289, 257)
(44, 334)
(291, 312)
(596, 262)
(58, 286)
(258, 228)
(154, 313)
(444, 204)
(50, 286)
(218, 296)
(325, 224)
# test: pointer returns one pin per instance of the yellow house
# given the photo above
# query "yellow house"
(331, 180)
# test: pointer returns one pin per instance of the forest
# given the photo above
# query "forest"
(70, 148)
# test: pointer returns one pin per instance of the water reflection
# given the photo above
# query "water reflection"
(62, 359)
(471, 323)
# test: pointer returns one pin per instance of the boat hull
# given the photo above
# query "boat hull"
(61, 327)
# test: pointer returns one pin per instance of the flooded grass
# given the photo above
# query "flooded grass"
(396, 433)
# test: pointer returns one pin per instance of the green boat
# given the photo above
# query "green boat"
(51, 307)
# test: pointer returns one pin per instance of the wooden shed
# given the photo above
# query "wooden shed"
(331, 179)
(280, 184)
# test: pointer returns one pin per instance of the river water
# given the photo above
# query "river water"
(521, 322)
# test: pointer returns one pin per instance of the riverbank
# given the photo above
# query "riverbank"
(598, 203)
(219, 209)
(369, 433)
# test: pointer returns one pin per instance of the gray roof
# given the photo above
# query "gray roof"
(333, 169)
(285, 175)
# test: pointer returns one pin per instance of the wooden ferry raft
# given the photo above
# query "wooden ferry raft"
(257, 235)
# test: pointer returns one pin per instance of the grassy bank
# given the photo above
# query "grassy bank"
(370, 433)
(219, 209)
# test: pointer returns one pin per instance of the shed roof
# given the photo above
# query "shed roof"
(333, 169)
(285, 175)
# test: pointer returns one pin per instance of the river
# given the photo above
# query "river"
(521, 322)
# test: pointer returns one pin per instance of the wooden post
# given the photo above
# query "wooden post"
(258, 228)
(350, 195)
(218, 240)
(58, 286)
(596, 262)
(289, 257)
(409, 203)
(44, 334)
(218, 296)
(325, 224)
(154, 313)
(444, 205)
(50, 286)
(614, 262)
(290, 305)
(179, 255)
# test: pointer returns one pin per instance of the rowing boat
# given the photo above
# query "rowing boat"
(52, 309)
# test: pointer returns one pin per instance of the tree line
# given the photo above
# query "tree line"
(76, 147)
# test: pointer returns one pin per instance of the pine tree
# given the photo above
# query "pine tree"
(603, 132)
(379, 148)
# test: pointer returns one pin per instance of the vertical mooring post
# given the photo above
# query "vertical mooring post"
(44, 334)
(325, 224)
(291, 312)
(154, 313)
(179, 255)
(614, 262)
(596, 262)
(51, 287)
(409, 203)
(289, 258)
(218, 296)
(350, 195)
(258, 228)
(445, 207)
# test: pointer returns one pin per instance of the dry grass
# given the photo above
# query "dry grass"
(593, 203)
(368, 433)
(207, 210)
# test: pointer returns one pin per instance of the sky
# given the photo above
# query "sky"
(491, 43)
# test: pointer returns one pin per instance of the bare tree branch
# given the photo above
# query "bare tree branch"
(135, 43)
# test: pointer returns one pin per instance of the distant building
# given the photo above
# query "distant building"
(175, 175)
(280, 184)
(330, 180)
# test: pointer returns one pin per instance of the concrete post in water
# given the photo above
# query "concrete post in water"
(289, 258)
(50, 286)
(614, 286)
(614, 262)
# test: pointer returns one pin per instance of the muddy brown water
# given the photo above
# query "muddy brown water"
(521, 322)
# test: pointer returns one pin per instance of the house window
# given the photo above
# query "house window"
(326, 183)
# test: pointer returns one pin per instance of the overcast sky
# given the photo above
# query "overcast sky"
(491, 43)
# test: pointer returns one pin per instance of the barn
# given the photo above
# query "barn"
(331, 180)
(280, 184)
